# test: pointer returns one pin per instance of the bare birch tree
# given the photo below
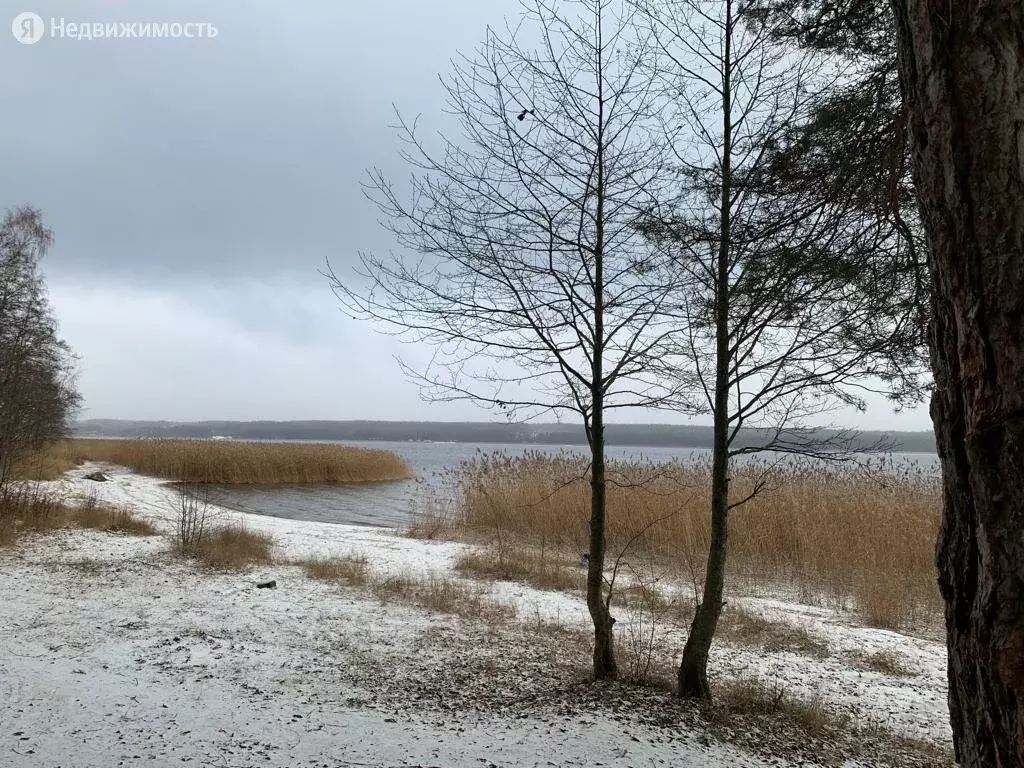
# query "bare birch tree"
(37, 393)
(790, 313)
(520, 262)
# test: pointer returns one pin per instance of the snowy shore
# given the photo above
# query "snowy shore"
(115, 652)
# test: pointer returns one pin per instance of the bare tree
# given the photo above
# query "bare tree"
(192, 515)
(790, 313)
(962, 67)
(521, 263)
(37, 393)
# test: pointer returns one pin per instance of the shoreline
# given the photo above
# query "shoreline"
(124, 610)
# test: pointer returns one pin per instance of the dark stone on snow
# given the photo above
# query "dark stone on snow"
(272, 584)
(98, 477)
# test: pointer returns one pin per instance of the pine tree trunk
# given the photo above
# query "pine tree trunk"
(962, 65)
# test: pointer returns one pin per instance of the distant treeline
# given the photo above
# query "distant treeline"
(643, 435)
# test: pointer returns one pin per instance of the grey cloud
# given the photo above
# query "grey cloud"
(151, 354)
(236, 157)
(195, 188)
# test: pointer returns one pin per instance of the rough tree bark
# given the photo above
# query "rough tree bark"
(962, 65)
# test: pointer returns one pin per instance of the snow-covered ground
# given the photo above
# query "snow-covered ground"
(115, 652)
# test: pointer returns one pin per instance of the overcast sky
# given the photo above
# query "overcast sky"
(195, 188)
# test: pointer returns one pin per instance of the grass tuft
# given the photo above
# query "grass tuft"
(753, 630)
(888, 663)
(112, 520)
(232, 548)
(468, 601)
(437, 595)
(25, 510)
(543, 570)
(352, 570)
(754, 696)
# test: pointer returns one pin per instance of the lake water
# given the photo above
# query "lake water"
(392, 504)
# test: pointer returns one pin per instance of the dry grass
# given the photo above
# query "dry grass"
(540, 569)
(757, 697)
(438, 595)
(749, 628)
(25, 511)
(227, 462)
(111, 520)
(48, 463)
(816, 732)
(863, 539)
(888, 663)
(232, 548)
(352, 570)
(450, 596)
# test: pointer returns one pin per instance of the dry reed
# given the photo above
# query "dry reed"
(862, 538)
(229, 462)
(48, 463)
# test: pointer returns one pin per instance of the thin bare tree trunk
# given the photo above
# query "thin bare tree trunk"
(605, 667)
(963, 74)
(693, 669)
(519, 254)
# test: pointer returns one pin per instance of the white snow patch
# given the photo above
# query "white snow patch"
(111, 648)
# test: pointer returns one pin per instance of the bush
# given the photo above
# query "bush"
(191, 516)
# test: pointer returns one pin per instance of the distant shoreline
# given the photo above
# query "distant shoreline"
(636, 435)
